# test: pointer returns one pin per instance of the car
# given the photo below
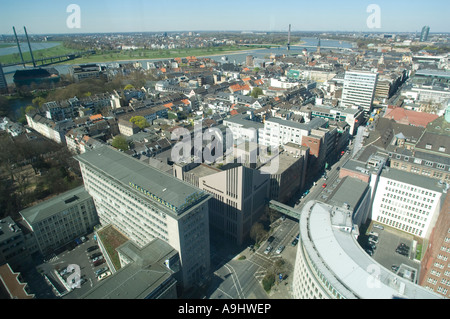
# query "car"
(378, 226)
(268, 250)
(93, 256)
(294, 242)
(283, 217)
(369, 251)
(98, 262)
(306, 193)
(373, 240)
(97, 258)
(270, 239)
(372, 245)
(324, 185)
(394, 268)
(100, 271)
(92, 248)
(280, 249)
(373, 234)
(104, 275)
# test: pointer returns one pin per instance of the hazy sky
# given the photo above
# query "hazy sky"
(50, 16)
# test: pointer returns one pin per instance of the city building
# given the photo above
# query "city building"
(36, 77)
(149, 272)
(144, 203)
(359, 90)
(330, 264)
(13, 243)
(243, 127)
(407, 202)
(3, 83)
(12, 285)
(57, 221)
(55, 131)
(424, 34)
(239, 196)
(86, 71)
(435, 264)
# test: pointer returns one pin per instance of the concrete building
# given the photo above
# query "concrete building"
(12, 285)
(407, 202)
(13, 244)
(3, 83)
(240, 194)
(359, 90)
(330, 264)
(61, 219)
(149, 272)
(144, 203)
(55, 131)
(86, 71)
(243, 127)
(277, 132)
(435, 265)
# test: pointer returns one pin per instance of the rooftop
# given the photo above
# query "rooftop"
(159, 187)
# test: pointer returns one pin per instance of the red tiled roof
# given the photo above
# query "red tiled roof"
(402, 116)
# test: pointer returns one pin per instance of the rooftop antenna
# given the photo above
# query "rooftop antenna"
(29, 45)
(18, 46)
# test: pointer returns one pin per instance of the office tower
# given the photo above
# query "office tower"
(359, 89)
(407, 202)
(144, 203)
(424, 34)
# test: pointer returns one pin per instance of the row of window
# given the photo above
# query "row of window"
(407, 228)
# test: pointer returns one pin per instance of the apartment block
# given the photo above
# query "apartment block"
(59, 220)
(144, 203)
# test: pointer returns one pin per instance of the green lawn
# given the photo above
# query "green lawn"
(111, 56)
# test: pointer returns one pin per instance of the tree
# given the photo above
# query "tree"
(140, 121)
(256, 92)
(120, 143)
(257, 232)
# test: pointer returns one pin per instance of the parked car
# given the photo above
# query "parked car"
(373, 240)
(104, 275)
(369, 251)
(98, 262)
(294, 242)
(92, 248)
(270, 239)
(280, 249)
(97, 258)
(395, 268)
(378, 226)
(93, 256)
(100, 271)
(324, 185)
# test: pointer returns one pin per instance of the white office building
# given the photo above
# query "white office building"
(359, 89)
(408, 202)
(144, 203)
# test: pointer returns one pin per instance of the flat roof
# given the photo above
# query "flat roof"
(139, 278)
(159, 187)
(329, 238)
(413, 179)
(55, 205)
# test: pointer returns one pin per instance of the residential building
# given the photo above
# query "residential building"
(148, 272)
(407, 202)
(435, 264)
(57, 221)
(144, 203)
(243, 127)
(3, 83)
(359, 90)
(55, 131)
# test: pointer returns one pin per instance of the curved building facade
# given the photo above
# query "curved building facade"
(330, 264)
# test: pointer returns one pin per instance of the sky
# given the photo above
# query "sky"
(95, 16)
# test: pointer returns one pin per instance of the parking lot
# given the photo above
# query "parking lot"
(73, 272)
(386, 253)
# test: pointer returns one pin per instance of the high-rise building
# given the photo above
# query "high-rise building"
(359, 89)
(144, 203)
(424, 34)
